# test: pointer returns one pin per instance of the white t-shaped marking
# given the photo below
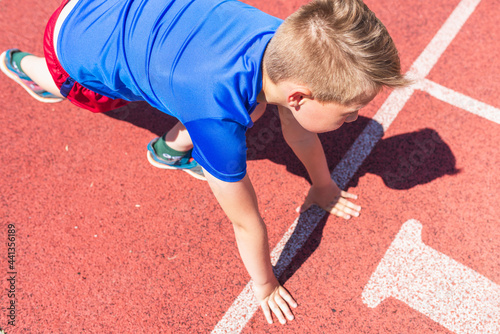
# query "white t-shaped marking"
(434, 284)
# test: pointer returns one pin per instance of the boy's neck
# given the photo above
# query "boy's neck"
(270, 91)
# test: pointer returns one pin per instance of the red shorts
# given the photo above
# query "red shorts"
(72, 90)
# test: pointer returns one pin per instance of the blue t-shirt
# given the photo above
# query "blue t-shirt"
(197, 60)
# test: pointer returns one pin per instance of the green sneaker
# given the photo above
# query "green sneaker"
(185, 162)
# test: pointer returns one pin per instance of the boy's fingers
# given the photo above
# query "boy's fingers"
(348, 195)
(349, 204)
(267, 312)
(283, 306)
(347, 209)
(288, 297)
(276, 310)
(351, 212)
(340, 213)
(287, 302)
(335, 208)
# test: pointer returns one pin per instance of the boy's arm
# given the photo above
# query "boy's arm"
(308, 148)
(239, 202)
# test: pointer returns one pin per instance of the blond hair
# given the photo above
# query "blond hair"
(339, 49)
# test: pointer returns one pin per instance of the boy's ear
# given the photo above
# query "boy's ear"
(298, 96)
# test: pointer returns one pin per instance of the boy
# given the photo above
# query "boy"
(215, 65)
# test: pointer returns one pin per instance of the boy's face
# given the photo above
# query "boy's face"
(320, 117)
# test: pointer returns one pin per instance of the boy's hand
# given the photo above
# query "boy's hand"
(331, 199)
(275, 298)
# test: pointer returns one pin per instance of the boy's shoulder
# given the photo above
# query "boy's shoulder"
(216, 64)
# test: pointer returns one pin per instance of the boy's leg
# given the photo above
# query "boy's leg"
(173, 151)
(178, 138)
(31, 73)
(36, 68)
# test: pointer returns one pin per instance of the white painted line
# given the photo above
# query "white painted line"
(239, 313)
(435, 285)
(429, 57)
(459, 100)
(242, 310)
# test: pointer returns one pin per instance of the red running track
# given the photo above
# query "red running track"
(105, 243)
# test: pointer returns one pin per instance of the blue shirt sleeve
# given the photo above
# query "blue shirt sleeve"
(219, 147)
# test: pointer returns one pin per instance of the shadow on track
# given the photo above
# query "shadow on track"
(403, 162)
